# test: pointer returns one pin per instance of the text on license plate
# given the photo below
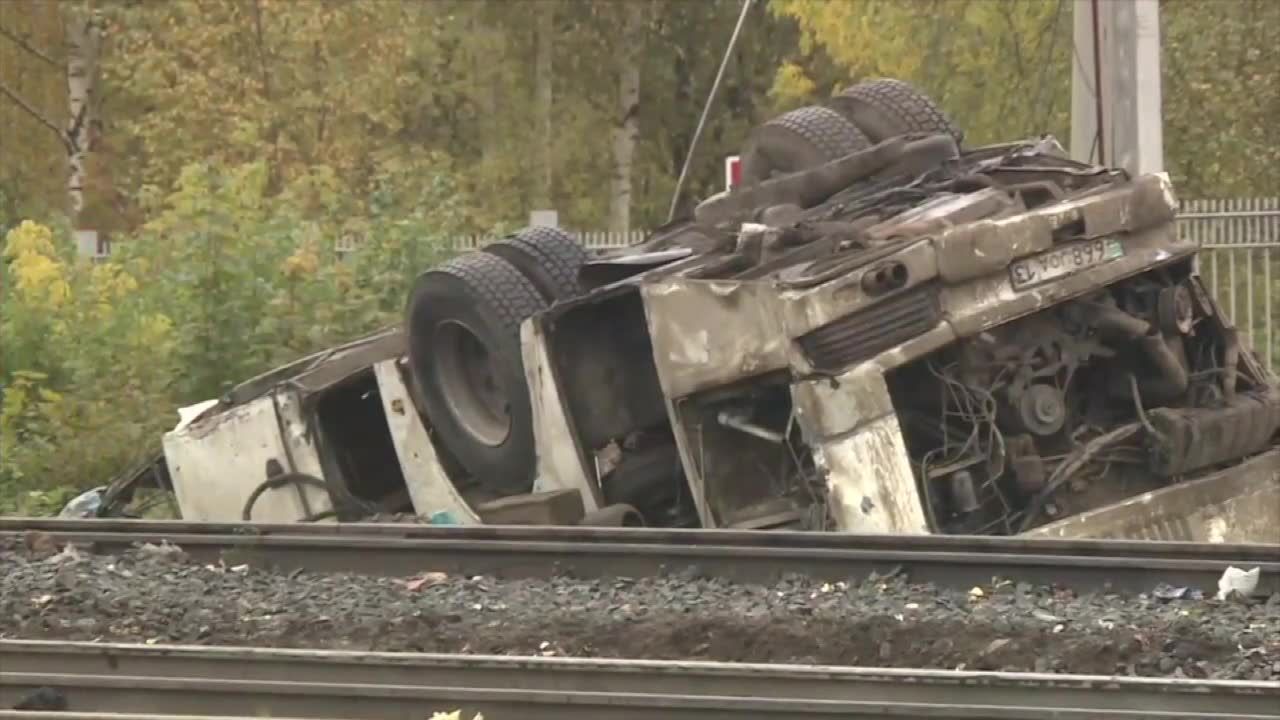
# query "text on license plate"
(1062, 261)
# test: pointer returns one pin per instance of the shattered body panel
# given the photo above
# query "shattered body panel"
(229, 450)
(1237, 505)
(988, 347)
(218, 454)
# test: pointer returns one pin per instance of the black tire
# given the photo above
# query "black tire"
(549, 257)
(798, 140)
(883, 108)
(463, 328)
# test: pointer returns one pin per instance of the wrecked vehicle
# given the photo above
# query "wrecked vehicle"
(881, 331)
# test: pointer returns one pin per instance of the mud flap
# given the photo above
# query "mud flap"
(1237, 505)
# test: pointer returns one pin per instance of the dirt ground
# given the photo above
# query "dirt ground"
(159, 595)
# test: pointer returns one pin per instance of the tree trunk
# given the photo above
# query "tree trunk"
(544, 73)
(627, 132)
(84, 49)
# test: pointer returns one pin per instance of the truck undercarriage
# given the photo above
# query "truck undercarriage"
(881, 332)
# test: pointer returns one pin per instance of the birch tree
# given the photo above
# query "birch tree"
(84, 54)
(78, 61)
(544, 78)
(626, 134)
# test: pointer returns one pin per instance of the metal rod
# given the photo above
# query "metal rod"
(324, 683)
(1250, 298)
(126, 533)
(1230, 214)
(737, 422)
(1231, 286)
(1270, 301)
(711, 98)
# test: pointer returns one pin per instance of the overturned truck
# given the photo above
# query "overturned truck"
(881, 330)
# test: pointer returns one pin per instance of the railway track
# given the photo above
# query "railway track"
(394, 549)
(244, 682)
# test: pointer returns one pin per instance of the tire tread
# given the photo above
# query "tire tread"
(825, 129)
(497, 284)
(555, 252)
(909, 108)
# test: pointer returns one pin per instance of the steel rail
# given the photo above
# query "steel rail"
(1241, 552)
(325, 684)
(948, 562)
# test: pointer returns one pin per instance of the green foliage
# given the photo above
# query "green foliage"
(32, 161)
(1001, 69)
(1221, 98)
(222, 283)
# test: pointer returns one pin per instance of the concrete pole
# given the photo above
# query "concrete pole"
(1115, 84)
(1085, 98)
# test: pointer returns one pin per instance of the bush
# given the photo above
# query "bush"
(222, 283)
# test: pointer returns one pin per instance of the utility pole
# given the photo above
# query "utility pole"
(1116, 115)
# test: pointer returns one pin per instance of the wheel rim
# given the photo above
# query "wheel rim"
(470, 384)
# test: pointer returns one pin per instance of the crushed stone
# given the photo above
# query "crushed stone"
(158, 595)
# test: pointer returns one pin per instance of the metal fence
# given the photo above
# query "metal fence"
(593, 240)
(1241, 263)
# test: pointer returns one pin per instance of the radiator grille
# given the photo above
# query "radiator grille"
(868, 332)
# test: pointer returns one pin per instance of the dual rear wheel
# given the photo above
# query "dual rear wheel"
(463, 317)
(857, 118)
(463, 326)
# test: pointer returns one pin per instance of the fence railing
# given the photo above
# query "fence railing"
(1240, 262)
(592, 240)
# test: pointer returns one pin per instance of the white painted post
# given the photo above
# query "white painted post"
(1116, 61)
(545, 218)
(1084, 84)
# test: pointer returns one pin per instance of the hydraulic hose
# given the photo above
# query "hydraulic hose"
(276, 482)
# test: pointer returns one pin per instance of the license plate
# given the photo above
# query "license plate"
(1063, 261)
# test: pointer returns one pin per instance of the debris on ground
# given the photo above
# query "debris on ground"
(163, 598)
(1235, 580)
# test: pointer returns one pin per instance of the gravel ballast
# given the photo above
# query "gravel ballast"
(158, 595)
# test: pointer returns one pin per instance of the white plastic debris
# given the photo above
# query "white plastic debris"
(429, 579)
(190, 413)
(69, 553)
(1047, 616)
(164, 548)
(1236, 580)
